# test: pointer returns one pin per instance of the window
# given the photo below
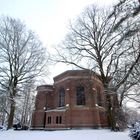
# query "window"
(61, 97)
(49, 120)
(80, 95)
(99, 99)
(58, 119)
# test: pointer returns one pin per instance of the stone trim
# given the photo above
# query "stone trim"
(76, 77)
(56, 110)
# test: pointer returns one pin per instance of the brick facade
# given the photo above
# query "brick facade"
(82, 103)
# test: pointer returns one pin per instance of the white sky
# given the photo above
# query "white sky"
(48, 18)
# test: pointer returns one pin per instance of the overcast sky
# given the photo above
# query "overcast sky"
(48, 18)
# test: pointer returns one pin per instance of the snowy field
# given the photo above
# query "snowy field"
(64, 135)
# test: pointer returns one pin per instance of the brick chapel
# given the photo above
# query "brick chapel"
(75, 100)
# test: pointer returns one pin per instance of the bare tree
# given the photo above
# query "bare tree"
(3, 107)
(126, 11)
(106, 42)
(25, 103)
(22, 58)
(132, 115)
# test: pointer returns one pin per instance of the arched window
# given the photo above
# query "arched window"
(61, 97)
(80, 93)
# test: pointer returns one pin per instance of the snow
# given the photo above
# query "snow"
(64, 135)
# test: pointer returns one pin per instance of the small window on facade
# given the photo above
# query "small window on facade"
(49, 120)
(80, 95)
(58, 119)
(61, 97)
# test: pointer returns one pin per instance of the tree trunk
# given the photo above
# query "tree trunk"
(110, 113)
(11, 115)
(110, 105)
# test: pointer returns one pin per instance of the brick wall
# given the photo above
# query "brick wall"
(72, 115)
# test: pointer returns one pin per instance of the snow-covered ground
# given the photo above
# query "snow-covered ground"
(64, 135)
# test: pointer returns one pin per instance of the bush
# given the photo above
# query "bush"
(2, 128)
(135, 131)
(18, 126)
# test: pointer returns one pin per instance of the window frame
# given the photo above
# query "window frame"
(80, 95)
(58, 119)
(61, 97)
(49, 120)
